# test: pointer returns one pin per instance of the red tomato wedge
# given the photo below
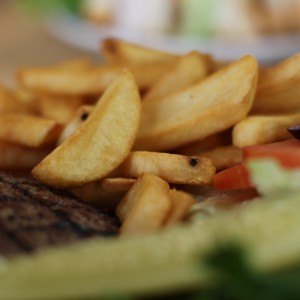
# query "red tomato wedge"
(287, 153)
(236, 177)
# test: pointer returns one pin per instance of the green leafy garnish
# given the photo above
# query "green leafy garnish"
(236, 279)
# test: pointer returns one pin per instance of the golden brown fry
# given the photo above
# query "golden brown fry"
(115, 50)
(105, 193)
(181, 203)
(93, 81)
(81, 115)
(59, 109)
(100, 144)
(16, 157)
(28, 130)
(187, 71)
(173, 168)
(255, 130)
(224, 157)
(145, 207)
(213, 105)
(278, 89)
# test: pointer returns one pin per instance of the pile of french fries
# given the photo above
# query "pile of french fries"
(127, 135)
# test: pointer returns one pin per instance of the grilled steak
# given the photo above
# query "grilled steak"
(33, 216)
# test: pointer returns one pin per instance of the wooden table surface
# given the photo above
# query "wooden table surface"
(24, 42)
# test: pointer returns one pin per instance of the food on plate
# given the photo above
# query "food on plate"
(191, 114)
(100, 144)
(173, 172)
(263, 129)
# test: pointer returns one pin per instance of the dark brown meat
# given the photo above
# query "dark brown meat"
(33, 216)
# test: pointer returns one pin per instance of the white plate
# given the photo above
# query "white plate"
(88, 36)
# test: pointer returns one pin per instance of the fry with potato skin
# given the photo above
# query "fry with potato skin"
(173, 168)
(100, 144)
(213, 105)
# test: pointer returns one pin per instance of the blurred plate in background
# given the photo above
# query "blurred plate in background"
(87, 35)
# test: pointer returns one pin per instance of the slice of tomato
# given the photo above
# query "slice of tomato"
(287, 153)
(236, 177)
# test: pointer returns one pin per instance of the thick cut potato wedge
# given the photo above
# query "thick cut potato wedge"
(188, 70)
(213, 105)
(278, 90)
(114, 50)
(181, 203)
(17, 157)
(28, 130)
(173, 168)
(255, 130)
(100, 144)
(105, 193)
(77, 64)
(145, 207)
(92, 81)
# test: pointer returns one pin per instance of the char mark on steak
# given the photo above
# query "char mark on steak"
(33, 216)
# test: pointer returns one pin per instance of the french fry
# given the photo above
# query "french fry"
(181, 203)
(87, 82)
(145, 207)
(278, 90)
(79, 117)
(255, 130)
(17, 157)
(28, 130)
(116, 51)
(105, 193)
(173, 168)
(100, 144)
(223, 157)
(187, 71)
(60, 109)
(213, 105)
